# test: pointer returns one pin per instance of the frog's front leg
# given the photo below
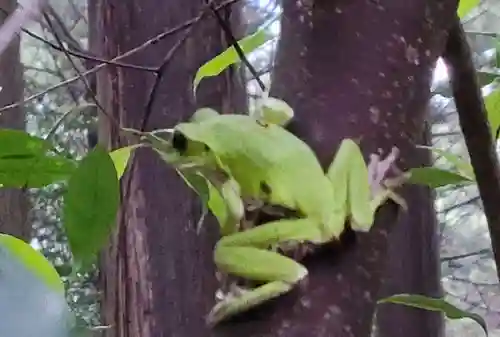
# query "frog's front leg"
(364, 188)
(247, 255)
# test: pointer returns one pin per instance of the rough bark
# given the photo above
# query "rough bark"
(357, 69)
(157, 277)
(13, 202)
(412, 264)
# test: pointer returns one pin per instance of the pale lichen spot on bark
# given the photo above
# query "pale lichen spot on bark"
(318, 130)
(305, 302)
(339, 277)
(353, 118)
(387, 94)
(347, 329)
(285, 324)
(387, 135)
(338, 10)
(355, 80)
(363, 272)
(381, 74)
(334, 310)
(412, 55)
(374, 114)
(374, 256)
(383, 233)
(395, 84)
(391, 60)
(368, 296)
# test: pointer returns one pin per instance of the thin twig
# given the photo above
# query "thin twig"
(232, 40)
(87, 56)
(159, 75)
(466, 255)
(82, 55)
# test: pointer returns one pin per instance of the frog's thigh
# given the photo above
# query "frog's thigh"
(258, 264)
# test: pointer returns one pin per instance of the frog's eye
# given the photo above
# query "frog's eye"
(179, 142)
(265, 188)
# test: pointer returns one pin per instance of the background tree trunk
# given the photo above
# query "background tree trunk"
(13, 202)
(158, 277)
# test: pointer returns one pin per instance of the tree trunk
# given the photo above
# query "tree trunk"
(13, 202)
(157, 276)
(413, 265)
(359, 69)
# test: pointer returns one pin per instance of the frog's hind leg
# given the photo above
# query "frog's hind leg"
(280, 272)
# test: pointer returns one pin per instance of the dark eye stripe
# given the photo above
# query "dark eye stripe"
(264, 187)
(179, 142)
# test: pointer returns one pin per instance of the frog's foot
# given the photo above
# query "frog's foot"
(229, 291)
(243, 300)
(270, 274)
(382, 186)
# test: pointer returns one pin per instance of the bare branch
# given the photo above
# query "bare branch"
(466, 255)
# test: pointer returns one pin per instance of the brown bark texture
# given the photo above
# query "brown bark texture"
(13, 202)
(158, 277)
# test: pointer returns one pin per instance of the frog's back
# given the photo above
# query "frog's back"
(257, 153)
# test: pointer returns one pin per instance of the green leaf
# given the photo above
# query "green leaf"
(492, 102)
(434, 304)
(486, 77)
(274, 111)
(33, 260)
(120, 158)
(90, 205)
(435, 177)
(32, 297)
(26, 160)
(462, 165)
(228, 57)
(466, 6)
